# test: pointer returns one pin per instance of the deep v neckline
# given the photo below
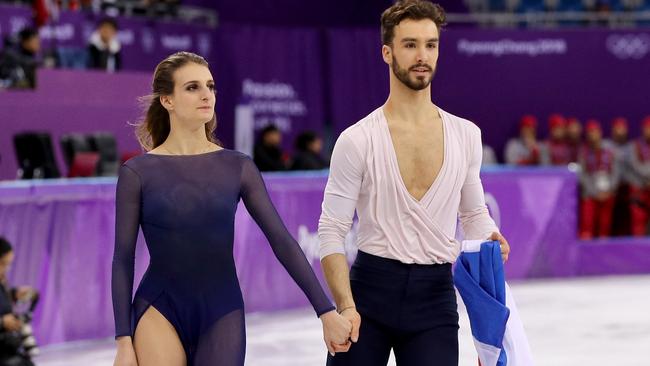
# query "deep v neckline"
(395, 163)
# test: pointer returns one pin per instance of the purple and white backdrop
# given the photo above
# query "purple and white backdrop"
(329, 78)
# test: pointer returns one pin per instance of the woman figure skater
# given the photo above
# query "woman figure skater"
(188, 308)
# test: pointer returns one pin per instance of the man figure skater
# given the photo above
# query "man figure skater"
(410, 170)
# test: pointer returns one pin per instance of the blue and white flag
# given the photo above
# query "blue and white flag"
(498, 333)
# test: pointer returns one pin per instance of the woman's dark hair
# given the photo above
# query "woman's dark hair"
(154, 128)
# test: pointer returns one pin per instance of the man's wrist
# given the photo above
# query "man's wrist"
(342, 309)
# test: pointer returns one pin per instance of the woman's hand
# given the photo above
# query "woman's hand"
(336, 332)
(125, 353)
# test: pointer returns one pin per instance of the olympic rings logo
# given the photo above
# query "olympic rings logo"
(629, 46)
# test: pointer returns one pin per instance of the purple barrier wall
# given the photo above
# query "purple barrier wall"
(63, 233)
(613, 256)
(493, 77)
(536, 209)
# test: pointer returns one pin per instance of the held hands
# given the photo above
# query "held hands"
(125, 353)
(336, 332)
(505, 247)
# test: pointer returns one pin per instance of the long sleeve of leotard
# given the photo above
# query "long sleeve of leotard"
(127, 219)
(285, 247)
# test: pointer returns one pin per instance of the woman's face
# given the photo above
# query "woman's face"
(5, 264)
(194, 95)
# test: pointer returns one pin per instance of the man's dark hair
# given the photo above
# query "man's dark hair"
(26, 34)
(108, 21)
(304, 139)
(268, 129)
(409, 9)
(5, 247)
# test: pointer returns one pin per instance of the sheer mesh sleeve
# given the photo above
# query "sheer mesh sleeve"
(127, 219)
(286, 249)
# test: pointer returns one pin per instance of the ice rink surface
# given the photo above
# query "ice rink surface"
(569, 322)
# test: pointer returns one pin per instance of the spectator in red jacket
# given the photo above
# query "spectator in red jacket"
(555, 150)
(599, 178)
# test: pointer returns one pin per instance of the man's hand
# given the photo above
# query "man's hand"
(505, 247)
(24, 292)
(11, 323)
(353, 316)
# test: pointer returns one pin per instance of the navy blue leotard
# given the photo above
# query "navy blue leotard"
(185, 205)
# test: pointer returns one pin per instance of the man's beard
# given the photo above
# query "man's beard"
(403, 76)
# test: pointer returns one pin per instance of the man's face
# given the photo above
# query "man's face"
(273, 138)
(528, 133)
(32, 44)
(646, 132)
(619, 132)
(5, 264)
(107, 32)
(558, 132)
(413, 54)
(316, 146)
(594, 135)
(574, 130)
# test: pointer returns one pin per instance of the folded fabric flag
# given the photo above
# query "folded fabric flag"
(498, 333)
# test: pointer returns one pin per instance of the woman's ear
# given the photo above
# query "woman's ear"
(166, 102)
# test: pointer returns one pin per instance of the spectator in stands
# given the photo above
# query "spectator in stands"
(574, 137)
(524, 150)
(639, 155)
(489, 157)
(599, 178)
(268, 154)
(555, 150)
(11, 342)
(309, 148)
(18, 61)
(619, 134)
(619, 144)
(104, 49)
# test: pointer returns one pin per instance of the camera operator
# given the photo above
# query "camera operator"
(12, 347)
